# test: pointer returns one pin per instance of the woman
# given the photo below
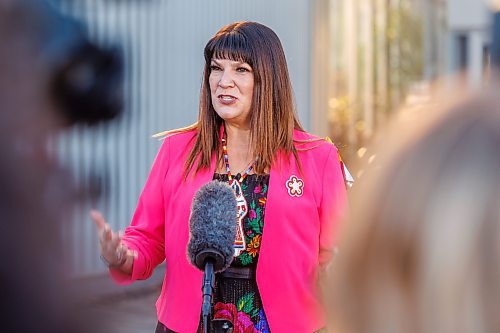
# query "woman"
(421, 251)
(247, 134)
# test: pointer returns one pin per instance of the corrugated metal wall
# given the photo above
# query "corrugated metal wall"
(163, 42)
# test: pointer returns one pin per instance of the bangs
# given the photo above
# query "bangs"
(229, 46)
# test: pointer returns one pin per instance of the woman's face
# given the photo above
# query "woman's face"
(231, 87)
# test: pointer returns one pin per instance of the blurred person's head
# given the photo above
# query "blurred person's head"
(31, 258)
(47, 71)
(421, 250)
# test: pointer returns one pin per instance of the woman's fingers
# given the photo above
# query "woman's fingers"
(115, 240)
(122, 252)
(98, 219)
(108, 233)
(132, 253)
(112, 248)
(107, 238)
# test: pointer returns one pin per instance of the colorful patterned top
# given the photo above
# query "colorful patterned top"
(238, 300)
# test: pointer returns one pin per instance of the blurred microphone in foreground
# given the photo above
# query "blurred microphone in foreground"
(84, 79)
(212, 226)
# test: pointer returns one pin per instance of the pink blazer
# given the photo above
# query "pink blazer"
(298, 237)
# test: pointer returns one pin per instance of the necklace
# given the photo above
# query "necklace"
(241, 202)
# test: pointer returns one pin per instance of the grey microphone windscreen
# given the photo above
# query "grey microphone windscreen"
(212, 226)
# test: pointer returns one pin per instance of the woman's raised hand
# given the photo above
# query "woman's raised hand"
(113, 251)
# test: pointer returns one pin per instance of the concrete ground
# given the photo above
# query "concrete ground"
(112, 308)
(131, 313)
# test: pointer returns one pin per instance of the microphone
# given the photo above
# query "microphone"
(212, 227)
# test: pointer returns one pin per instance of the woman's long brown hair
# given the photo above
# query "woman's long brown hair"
(273, 115)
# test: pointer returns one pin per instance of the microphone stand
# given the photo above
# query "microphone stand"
(210, 259)
(207, 288)
(211, 325)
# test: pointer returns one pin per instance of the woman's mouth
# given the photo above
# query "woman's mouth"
(227, 99)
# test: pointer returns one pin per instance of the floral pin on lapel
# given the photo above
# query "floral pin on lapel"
(295, 186)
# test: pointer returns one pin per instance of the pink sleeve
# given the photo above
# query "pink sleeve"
(333, 205)
(146, 232)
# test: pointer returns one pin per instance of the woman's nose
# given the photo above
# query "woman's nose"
(226, 80)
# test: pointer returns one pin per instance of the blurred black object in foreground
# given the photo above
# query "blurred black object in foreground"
(51, 77)
(88, 85)
(85, 80)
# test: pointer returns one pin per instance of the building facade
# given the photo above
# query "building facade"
(469, 39)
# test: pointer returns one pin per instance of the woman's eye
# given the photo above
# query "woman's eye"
(243, 69)
(214, 68)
